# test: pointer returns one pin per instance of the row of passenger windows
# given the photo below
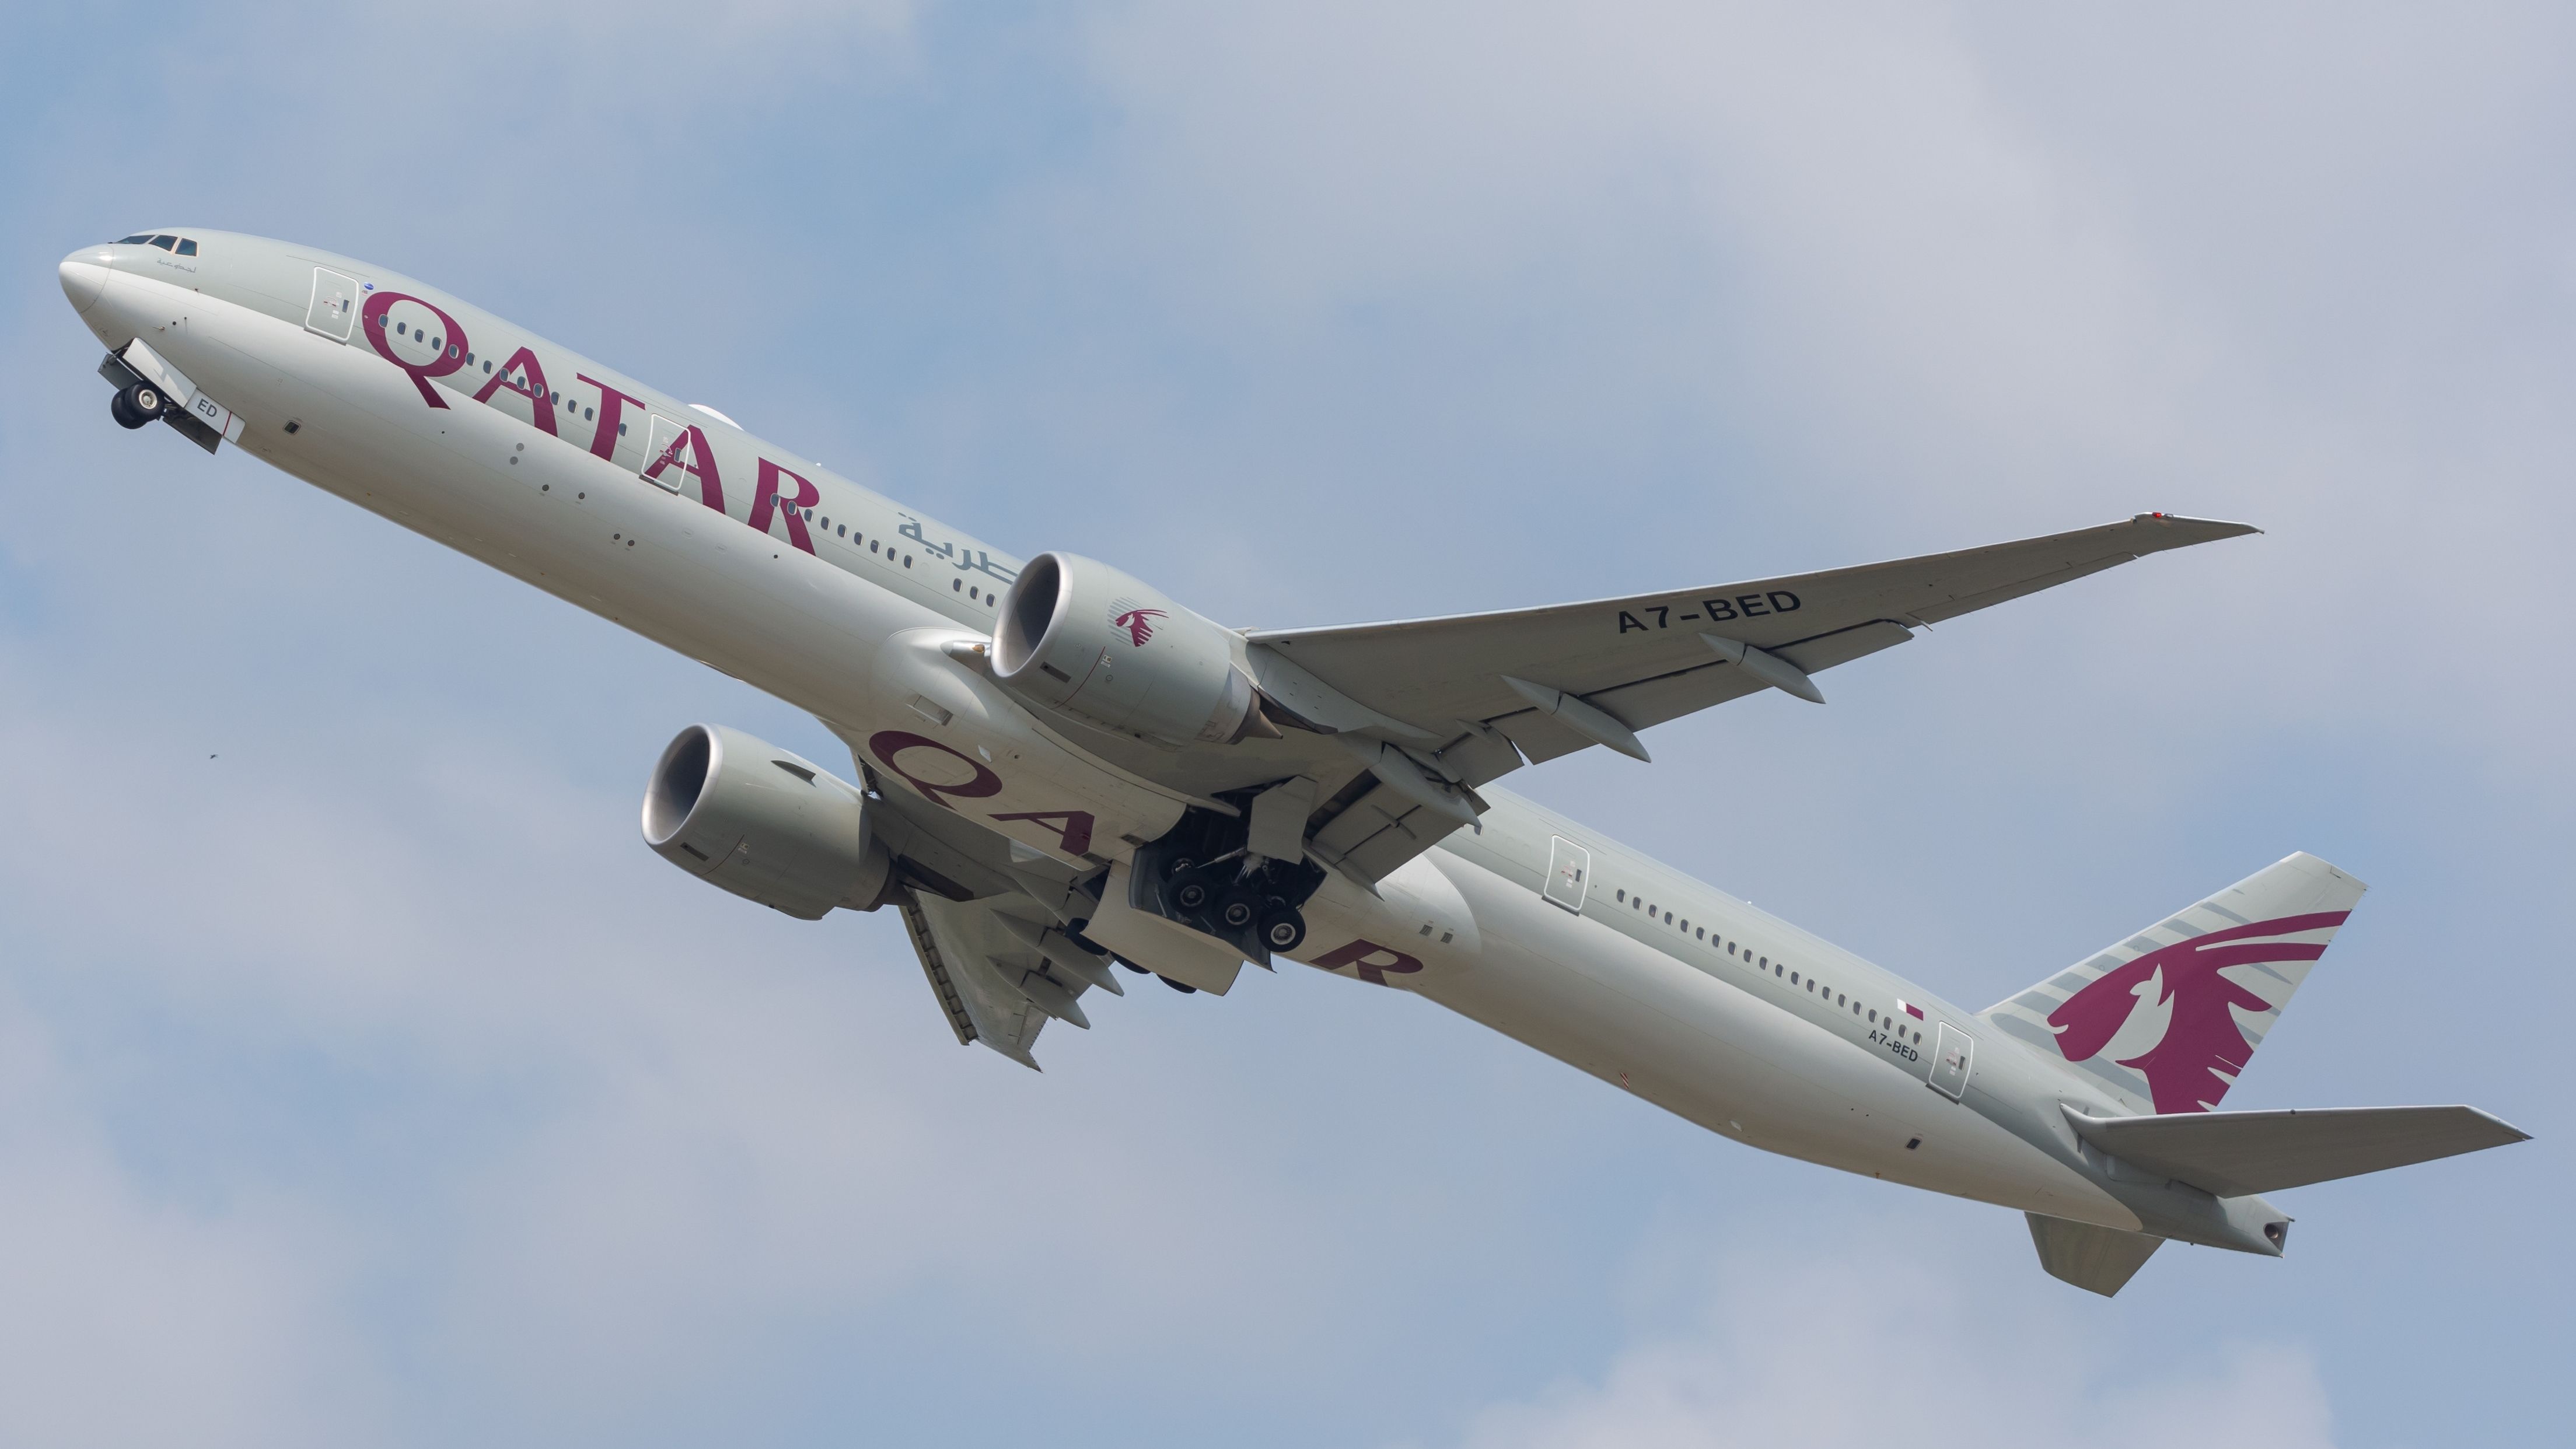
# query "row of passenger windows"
(977, 594)
(521, 386)
(1778, 969)
(179, 245)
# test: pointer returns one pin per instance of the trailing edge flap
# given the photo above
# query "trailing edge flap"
(994, 988)
(1643, 660)
(2236, 1154)
(2097, 1260)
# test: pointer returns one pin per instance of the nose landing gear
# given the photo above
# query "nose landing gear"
(137, 406)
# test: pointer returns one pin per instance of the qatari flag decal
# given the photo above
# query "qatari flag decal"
(1910, 1009)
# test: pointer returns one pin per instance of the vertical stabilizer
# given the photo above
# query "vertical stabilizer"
(2167, 1019)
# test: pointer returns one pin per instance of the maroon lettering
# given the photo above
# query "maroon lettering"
(1073, 825)
(451, 355)
(1357, 954)
(888, 745)
(710, 486)
(765, 496)
(534, 392)
(612, 405)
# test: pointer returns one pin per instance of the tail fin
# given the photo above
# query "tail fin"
(2168, 1018)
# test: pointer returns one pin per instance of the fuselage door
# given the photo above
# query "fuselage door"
(335, 305)
(1953, 1051)
(666, 459)
(1569, 873)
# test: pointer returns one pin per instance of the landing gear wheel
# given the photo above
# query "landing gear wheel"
(145, 400)
(1183, 987)
(1283, 931)
(1189, 895)
(1239, 908)
(126, 417)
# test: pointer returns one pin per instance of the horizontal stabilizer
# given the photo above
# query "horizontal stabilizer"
(2097, 1260)
(2236, 1154)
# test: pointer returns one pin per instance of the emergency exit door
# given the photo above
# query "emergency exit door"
(334, 308)
(1569, 873)
(1953, 1053)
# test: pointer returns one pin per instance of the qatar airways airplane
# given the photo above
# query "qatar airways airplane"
(1061, 769)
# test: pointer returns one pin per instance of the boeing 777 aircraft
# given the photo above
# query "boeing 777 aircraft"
(1061, 770)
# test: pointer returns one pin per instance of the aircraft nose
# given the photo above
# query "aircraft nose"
(84, 276)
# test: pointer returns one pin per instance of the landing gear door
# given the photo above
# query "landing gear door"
(335, 305)
(1953, 1053)
(1569, 873)
(665, 463)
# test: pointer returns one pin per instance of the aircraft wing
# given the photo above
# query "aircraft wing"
(999, 976)
(1626, 664)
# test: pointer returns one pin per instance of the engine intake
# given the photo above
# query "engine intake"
(1080, 636)
(764, 824)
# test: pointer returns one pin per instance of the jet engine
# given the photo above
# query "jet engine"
(1082, 637)
(764, 824)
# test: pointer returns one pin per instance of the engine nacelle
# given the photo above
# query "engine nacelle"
(1080, 636)
(764, 824)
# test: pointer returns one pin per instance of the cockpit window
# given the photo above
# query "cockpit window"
(187, 246)
(136, 240)
(165, 243)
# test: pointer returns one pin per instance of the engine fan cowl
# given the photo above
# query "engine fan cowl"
(1079, 636)
(764, 823)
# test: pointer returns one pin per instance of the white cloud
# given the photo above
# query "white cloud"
(1868, 1346)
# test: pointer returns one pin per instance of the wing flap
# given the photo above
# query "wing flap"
(2236, 1154)
(995, 987)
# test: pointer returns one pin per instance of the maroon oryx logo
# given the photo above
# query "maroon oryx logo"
(1135, 618)
(2203, 1048)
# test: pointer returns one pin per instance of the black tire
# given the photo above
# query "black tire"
(1130, 965)
(1182, 987)
(1189, 895)
(145, 401)
(126, 417)
(1239, 909)
(1283, 931)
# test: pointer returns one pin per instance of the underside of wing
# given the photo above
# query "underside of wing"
(1654, 657)
(999, 975)
(1432, 708)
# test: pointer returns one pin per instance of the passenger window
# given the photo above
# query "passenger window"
(845, 530)
(956, 584)
(1623, 898)
(187, 248)
(166, 243)
(487, 367)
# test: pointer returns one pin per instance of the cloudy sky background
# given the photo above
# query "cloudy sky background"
(363, 1079)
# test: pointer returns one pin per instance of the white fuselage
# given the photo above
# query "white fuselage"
(1701, 1004)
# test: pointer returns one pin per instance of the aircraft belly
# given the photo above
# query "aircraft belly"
(1715, 1055)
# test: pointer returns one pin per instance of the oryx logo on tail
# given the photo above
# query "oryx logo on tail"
(2192, 1062)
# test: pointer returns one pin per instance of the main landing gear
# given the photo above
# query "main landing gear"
(136, 406)
(1202, 875)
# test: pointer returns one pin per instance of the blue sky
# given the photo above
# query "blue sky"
(363, 1079)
